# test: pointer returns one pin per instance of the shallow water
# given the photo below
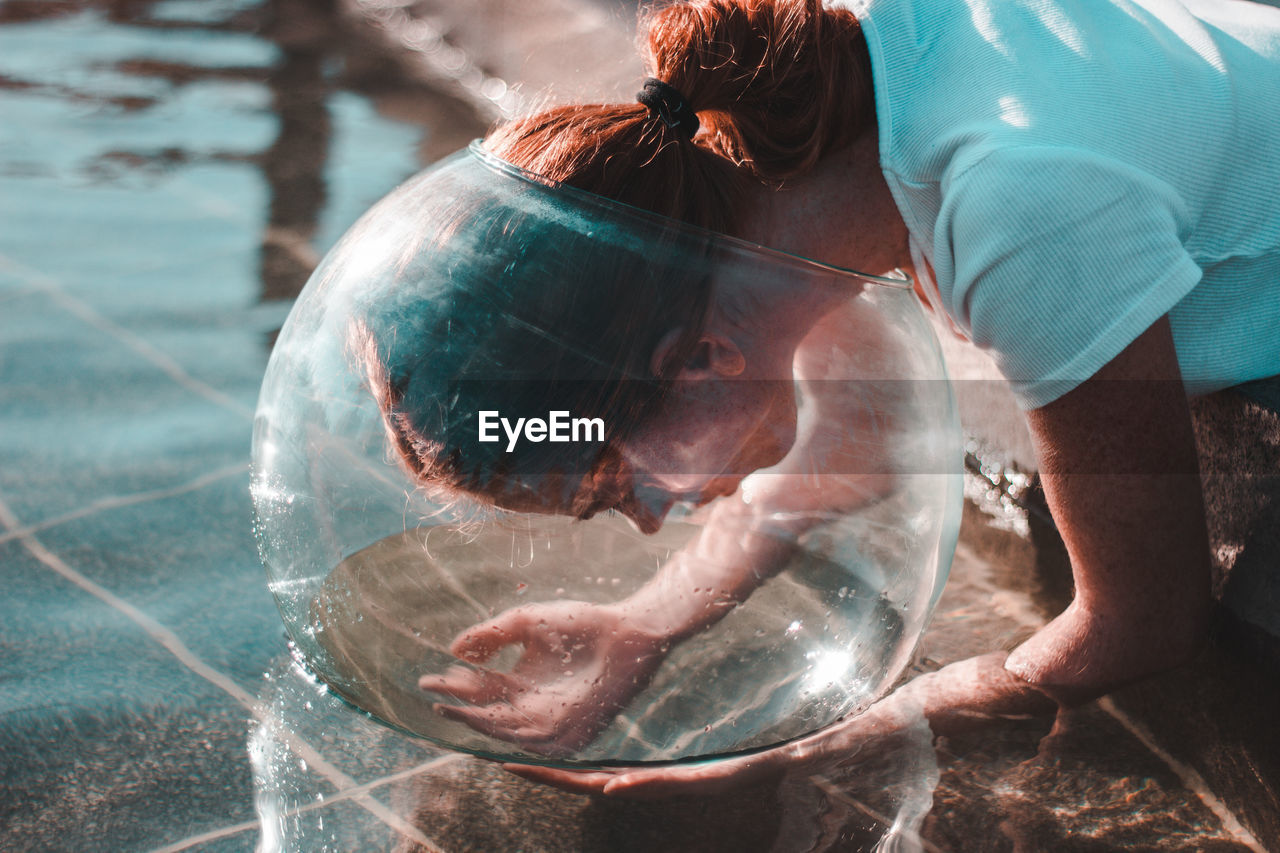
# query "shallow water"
(436, 800)
(168, 172)
(812, 645)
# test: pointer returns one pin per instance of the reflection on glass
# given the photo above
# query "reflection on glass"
(543, 477)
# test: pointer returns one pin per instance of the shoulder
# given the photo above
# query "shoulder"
(1023, 185)
(1055, 259)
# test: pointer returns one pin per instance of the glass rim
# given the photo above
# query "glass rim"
(496, 163)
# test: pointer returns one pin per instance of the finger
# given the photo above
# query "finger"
(701, 779)
(499, 720)
(514, 725)
(573, 781)
(550, 741)
(474, 686)
(481, 642)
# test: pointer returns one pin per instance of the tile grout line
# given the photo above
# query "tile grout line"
(159, 359)
(212, 835)
(340, 797)
(174, 645)
(1191, 779)
(369, 787)
(118, 501)
(209, 202)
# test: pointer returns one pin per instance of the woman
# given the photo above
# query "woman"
(1091, 185)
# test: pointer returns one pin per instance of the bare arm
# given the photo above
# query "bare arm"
(1119, 467)
(746, 540)
(581, 663)
(749, 536)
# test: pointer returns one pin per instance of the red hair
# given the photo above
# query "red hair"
(777, 84)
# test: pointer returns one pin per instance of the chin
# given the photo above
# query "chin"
(721, 487)
(768, 451)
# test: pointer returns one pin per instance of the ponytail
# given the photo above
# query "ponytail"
(780, 83)
(776, 84)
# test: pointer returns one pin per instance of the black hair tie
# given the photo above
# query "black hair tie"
(666, 102)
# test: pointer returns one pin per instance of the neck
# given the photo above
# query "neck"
(841, 213)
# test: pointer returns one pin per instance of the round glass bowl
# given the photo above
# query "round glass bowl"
(543, 477)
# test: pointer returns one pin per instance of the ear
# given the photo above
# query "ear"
(714, 355)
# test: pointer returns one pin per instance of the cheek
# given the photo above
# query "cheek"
(733, 429)
(771, 437)
(785, 412)
(756, 434)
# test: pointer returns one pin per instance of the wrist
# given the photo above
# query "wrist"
(669, 613)
(1083, 654)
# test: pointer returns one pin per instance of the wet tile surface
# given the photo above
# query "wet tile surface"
(106, 735)
(82, 408)
(1181, 761)
(187, 562)
(152, 175)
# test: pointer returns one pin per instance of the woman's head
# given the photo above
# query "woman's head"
(514, 306)
(776, 84)
(635, 343)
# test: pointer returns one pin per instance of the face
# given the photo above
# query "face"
(728, 411)
(708, 437)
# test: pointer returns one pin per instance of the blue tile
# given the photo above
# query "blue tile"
(190, 563)
(86, 418)
(175, 221)
(350, 740)
(103, 733)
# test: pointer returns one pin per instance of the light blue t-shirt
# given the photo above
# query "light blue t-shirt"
(1076, 169)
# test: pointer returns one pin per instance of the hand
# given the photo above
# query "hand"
(582, 663)
(967, 694)
(848, 742)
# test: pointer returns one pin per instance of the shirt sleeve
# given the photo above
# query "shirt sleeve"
(1055, 259)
